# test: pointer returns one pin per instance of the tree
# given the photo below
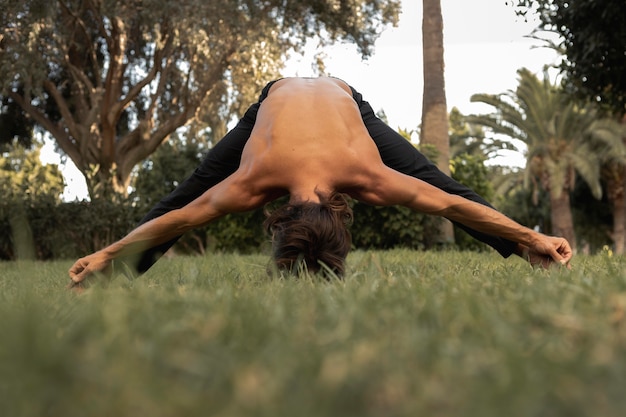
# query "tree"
(593, 35)
(564, 139)
(434, 130)
(466, 138)
(111, 80)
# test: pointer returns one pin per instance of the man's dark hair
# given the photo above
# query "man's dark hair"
(313, 234)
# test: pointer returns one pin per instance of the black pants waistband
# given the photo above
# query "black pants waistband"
(355, 94)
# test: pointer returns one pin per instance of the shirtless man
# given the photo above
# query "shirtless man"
(314, 140)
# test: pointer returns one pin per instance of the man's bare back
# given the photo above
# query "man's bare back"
(309, 134)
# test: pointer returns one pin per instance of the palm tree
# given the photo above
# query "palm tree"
(466, 138)
(434, 130)
(564, 139)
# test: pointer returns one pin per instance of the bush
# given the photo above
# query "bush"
(73, 229)
(69, 230)
(470, 170)
(391, 227)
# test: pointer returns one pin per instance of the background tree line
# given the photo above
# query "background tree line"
(112, 81)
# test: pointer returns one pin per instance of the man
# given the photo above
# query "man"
(316, 139)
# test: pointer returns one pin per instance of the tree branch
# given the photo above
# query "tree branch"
(71, 125)
(88, 42)
(120, 105)
(63, 139)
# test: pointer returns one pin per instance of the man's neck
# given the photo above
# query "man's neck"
(307, 194)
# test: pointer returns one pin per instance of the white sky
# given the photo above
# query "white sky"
(484, 46)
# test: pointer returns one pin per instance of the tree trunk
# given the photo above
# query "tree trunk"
(617, 196)
(22, 234)
(434, 130)
(561, 215)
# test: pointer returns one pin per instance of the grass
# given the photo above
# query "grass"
(405, 334)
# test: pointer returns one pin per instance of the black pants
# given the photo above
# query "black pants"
(224, 158)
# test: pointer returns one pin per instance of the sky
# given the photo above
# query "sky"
(485, 44)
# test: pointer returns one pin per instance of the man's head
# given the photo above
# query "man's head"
(314, 234)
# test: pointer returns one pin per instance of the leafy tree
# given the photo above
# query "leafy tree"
(593, 35)
(564, 139)
(111, 80)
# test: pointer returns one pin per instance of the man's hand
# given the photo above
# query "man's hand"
(82, 268)
(546, 252)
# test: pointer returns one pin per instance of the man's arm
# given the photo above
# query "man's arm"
(227, 197)
(390, 188)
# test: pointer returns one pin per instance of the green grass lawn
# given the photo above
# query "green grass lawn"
(404, 334)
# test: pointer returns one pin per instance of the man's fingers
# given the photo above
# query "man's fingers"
(562, 254)
(78, 271)
(76, 268)
(565, 251)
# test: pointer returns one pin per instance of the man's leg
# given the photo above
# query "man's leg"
(399, 154)
(220, 162)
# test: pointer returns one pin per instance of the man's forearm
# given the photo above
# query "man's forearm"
(154, 232)
(490, 221)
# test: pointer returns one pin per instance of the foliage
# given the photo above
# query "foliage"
(469, 149)
(15, 126)
(70, 230)
(23, 176)
(470, 170)
(564, 139)
(593, 219)
(404, 334)
(111, 80)
(392, 227)
(531, 207)
(168, 166)
(23, 182)
(527, 206)
(395, 226)
(467, 138)
(560, 133)
(593, 35)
